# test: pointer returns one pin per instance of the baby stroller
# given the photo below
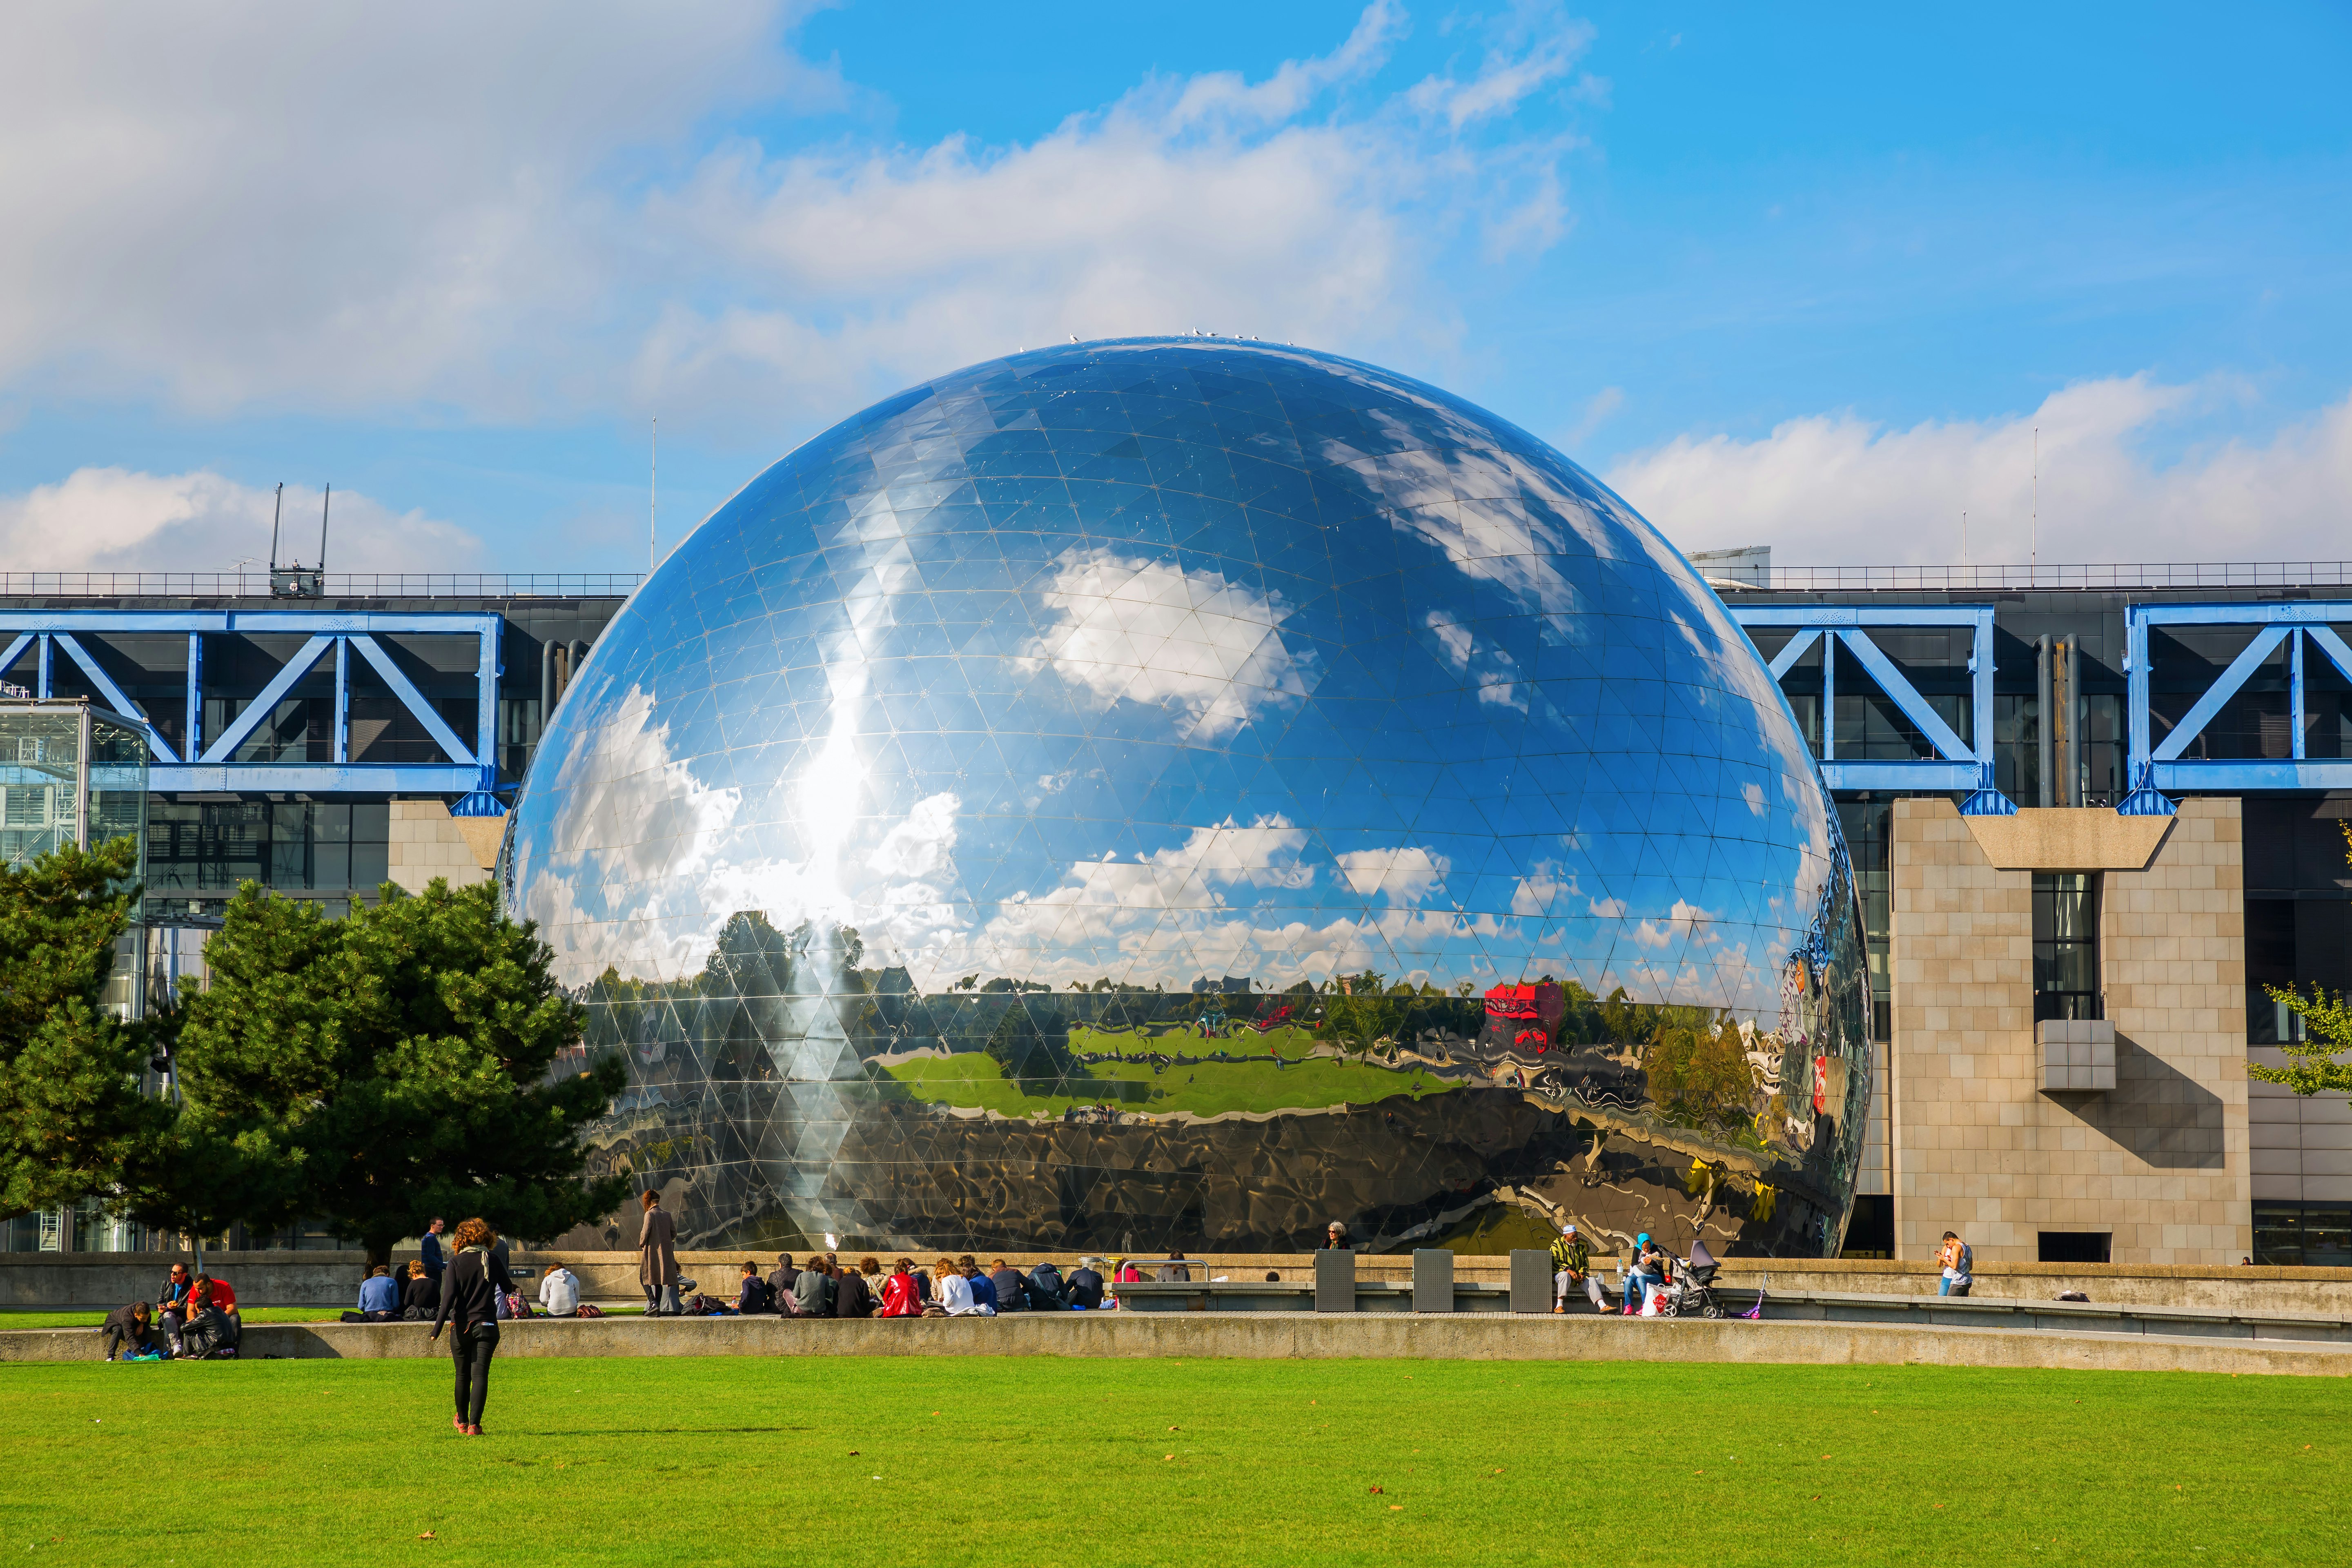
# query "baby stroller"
(1690, 1293)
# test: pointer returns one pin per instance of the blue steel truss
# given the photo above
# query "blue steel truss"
(1957, 765)
(471, 771)
(2301, 624)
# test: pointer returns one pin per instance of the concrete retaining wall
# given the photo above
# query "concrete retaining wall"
(1264, 1336)
(332, 1279)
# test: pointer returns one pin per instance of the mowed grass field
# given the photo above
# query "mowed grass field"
(664, 1462)
(1207, 1089)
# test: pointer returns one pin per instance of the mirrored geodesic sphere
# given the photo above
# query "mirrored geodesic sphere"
(1180, 792)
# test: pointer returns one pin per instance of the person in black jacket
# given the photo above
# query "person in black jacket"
(1012, 1286)
(470, 1287)
(780, 1283)
(423, 1296)
(1045, 1289)
(130, 1330)
(852, 1297)
(1086, 1284)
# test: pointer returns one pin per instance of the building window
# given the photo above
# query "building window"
(2065, 945)
(2304, 1235)
(2074, 1247)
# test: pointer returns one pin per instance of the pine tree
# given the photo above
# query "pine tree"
(416, 1059)
(72, 1117)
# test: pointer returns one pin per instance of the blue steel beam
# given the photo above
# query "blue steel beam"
(225, 748)
(16, 651)
(1906, 696)
(333, 622)
(116, 700)
(1930, 778)
(2156, 769)
(2219, 692)
(315, 778)
(414, 701)
(1786, 659)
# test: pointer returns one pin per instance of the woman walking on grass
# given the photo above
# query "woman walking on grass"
(470, 1289)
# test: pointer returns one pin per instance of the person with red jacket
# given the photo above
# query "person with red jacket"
(900, 1298)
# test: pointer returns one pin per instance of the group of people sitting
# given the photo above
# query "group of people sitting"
(198, 1320)
(1572, 1261)
(824, 1287)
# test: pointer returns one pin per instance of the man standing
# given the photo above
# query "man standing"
(1572, 1264)
(431, 1249)
(1958, 1261)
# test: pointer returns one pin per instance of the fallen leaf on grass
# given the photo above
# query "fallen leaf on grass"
(1396, 1508)
(1167, 1456)
(426, 1536)
(1175, 1429)
(1376, 1492)
(853, 1453)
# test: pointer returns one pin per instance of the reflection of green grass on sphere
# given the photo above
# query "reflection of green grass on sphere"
(970, 1079)
(332, 1462)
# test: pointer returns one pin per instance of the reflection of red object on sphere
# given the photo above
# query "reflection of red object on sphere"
(1820, 1084)
(1543, 1003)
(1523, 1035)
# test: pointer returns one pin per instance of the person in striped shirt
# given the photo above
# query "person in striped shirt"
(1571, 1263)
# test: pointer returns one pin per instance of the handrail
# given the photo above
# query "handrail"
(255, 584)
(2079, 574)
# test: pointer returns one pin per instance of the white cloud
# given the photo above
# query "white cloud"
(274, 201)
(919, 845)
(1401, 876)
(631, 808)
(114, 520)
(1148, 631)
(545, 209)
(1836, 490)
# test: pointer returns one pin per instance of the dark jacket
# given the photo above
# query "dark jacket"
(756, 1296)
(431, 1251)
(780, 1284)
(1086, 1288)
(422, 1295)
(1045, 1289)
(1012, 1291)
(470, 1289)
(210, 1332)
(124, 1326)
(983, 1292)
(851, 1299)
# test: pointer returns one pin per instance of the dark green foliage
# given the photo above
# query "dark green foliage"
(415, 1059)
(1032, 1044)
(72, 1118)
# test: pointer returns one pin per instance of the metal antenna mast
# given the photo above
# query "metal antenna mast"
(2035, 562)
(276, 515)
(652, 498)
(324, 502)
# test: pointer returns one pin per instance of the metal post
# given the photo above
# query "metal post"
(81, 777)
(485, 718)
(1981, 698)
(2138, 745)
(42, 693)
(1829, 694)
(193, 746)
(342, 720)
(2295, 684)
(2042, 735)
(2077, 711)
(1433, 1280)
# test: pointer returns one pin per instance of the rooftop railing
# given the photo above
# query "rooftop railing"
(2090, 574)
(254, 584)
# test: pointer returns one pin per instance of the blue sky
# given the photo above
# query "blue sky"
(1810, 279)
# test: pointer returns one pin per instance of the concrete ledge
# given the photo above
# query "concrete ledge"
(1277, 1336)
(2069, 838)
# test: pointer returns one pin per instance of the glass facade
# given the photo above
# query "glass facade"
(1180, 792)
(2065, 945)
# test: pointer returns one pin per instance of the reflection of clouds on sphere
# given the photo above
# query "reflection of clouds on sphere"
(1147, 662)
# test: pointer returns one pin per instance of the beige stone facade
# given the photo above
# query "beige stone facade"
(427, 842)
(2160, 1162)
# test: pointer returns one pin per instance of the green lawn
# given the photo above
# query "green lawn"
(681, 1461)
(1208, 1088)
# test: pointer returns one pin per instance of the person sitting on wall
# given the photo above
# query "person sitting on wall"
(751, 1297)
(814, 1293)
(421, 1295)
(780, 1284)
(1571, 1263)
(898, 1297)
(1335, 1238)
(1047, 1292)
(559, 1292)
(211, 1334)
(379, 1297)
(984, 1289)
(955, 1291)
(852, 1295)
(1172, 1271)
(1649, 1271)
(222, 1297)
(127, 1330)
(1086, 1285)
(175, 1301)
(1012, 1286)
